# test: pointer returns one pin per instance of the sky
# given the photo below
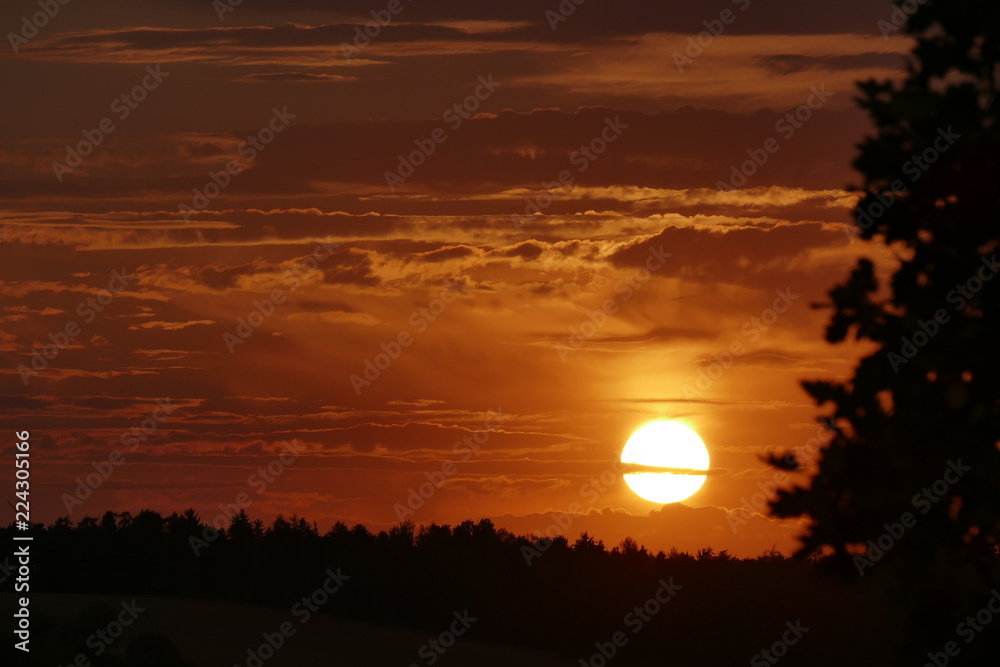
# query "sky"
(367, 261)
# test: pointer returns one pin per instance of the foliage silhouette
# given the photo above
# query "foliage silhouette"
(928, 396)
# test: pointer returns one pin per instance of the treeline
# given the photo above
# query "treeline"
(557, 595)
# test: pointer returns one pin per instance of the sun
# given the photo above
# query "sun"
(665, 444)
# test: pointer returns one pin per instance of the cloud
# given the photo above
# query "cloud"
(691, 150)
(657, 334)
(505, 485)
(336, 317)
(171, 326)
(779, 17)
(419, 403)
(792, 63)
(294, 77)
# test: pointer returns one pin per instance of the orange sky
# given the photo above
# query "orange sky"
(459, 215)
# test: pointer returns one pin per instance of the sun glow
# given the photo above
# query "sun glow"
(669, 445)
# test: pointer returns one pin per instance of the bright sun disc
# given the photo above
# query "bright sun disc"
(665, 444)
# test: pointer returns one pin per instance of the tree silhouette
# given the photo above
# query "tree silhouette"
(906, 491)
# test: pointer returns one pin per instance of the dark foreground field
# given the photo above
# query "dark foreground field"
(217, 633)
(439, 595)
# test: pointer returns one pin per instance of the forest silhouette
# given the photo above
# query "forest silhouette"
(559, 595)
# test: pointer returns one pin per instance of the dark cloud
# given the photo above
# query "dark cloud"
(605, 18)
(526, 250)
(295, 77)
(446, 253)
(727, 255)
(658, 334)
(681, 149)
(789, 64)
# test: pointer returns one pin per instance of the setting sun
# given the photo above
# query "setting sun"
(669, 445)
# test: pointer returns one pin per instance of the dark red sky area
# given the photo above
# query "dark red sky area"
(234, 172)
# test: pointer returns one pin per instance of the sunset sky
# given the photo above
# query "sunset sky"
(569, 251)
